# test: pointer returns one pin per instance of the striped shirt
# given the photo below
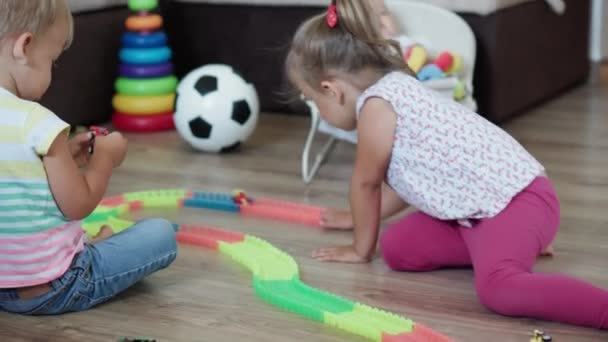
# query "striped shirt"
(37, 243)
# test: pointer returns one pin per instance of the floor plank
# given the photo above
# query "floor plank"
(206, 297)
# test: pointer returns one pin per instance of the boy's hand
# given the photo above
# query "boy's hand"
(346, 254)
(113, 144)
(337, 219)
(79, 148)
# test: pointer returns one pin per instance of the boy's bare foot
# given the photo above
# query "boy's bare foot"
(337, 219)
(104, 233)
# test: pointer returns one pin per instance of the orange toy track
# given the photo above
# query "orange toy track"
(283, 211)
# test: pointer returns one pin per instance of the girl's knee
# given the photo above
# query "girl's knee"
(497, 295)
(391, 253)
(401, 254)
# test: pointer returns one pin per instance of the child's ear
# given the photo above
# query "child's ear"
(331, 88)
(21, 47)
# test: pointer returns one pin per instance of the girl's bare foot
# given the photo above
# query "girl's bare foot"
(104, 233)
(336, 219)
(549, 251)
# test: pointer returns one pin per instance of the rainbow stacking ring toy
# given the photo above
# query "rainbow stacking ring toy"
(145, 56)
(144, 40)
(143, 123)
(144, 22)
(151, 86)
(145, 71)
(146, 86)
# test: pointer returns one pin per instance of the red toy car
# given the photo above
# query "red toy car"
(99, 130)
(96, 131)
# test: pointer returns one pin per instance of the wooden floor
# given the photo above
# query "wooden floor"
(206, 297)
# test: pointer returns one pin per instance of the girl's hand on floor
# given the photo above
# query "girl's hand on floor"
(346, 254)
(337, 219)
(79, 147)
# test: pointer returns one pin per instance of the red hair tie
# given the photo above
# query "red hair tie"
(332, 16)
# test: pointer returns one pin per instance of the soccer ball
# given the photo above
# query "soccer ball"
(215, 109)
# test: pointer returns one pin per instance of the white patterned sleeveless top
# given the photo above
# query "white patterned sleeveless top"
(448, 161)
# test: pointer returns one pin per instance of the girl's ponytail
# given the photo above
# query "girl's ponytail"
(346, 38)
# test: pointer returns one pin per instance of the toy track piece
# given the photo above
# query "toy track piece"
(211, 200)
(140, 195)
(369, 322)
(113, 201)
(295, 296)
(104, 213)
(265, 261)
(419, 333)
(286, 214)
(287, 205)
(117, 225)
(158, 199)
(197, 240)
(207, 237)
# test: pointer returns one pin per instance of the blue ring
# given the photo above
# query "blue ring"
(145, 56)
(144, 40)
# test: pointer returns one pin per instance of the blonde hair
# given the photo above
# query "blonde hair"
(354, 44)
(19, 16)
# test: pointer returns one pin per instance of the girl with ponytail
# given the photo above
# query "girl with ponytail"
(482, 200)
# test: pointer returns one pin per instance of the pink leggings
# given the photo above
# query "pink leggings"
(502, 251)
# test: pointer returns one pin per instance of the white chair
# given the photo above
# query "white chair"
(435, 28)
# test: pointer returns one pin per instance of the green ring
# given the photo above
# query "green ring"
(149, 86)
(142, 5)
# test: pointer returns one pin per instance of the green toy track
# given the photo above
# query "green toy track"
(275, 274)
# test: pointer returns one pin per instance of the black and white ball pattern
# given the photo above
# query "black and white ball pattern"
(216, 109)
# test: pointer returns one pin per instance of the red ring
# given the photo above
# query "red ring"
(143, 123)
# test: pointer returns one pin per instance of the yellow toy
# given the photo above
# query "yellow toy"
(540, 336)
(460, 91)
(144, 105)
(416, 58)
(456, 65)
(443, 65)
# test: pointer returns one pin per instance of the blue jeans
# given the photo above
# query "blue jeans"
(103, 270)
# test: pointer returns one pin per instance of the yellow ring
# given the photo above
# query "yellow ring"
(144, 23)
(143, 105)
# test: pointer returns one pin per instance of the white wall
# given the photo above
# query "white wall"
(599, 30)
